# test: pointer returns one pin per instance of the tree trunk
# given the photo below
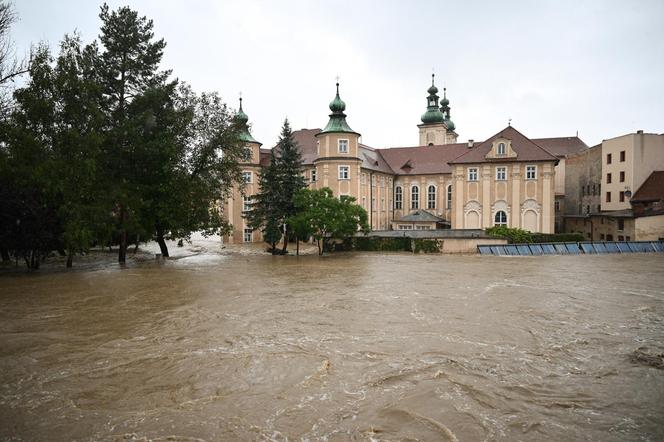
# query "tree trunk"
(138, 240)
(122, 253)
(283, 250)
(320, 251)
(70, 259)
(297, 246)
(162, 243)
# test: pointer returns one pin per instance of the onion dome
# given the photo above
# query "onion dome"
(243, 120)
(433, 114)
(337, 121)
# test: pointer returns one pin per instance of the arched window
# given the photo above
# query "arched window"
(414, 197)
(431, 197)
(449, 196)
(398, 197)
(500, 218)
(501, 148)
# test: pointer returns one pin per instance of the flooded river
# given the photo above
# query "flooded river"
(345, 347)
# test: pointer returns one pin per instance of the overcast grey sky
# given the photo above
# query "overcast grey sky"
(554, 67)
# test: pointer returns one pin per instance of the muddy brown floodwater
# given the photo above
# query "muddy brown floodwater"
(345, 347)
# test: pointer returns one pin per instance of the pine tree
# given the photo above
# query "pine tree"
(266, 210)
(129, 66)
(291, 179)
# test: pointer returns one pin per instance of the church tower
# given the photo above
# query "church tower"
(432, 129)
(450, 134)
(338, 163)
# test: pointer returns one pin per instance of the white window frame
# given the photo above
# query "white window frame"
(398, 198)
(414, 202)
(449, 196)
(498, 149)
(347, 174)
(247, 176)
(246, 203)
(405, 227)
(472, 174)
(531, 168)
(250, 234)
(346, 142)
(501, 173)
(429, 200)
(500, 223)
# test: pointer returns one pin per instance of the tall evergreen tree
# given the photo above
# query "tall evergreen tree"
(129, 66)
(291, 179)
(266, 210)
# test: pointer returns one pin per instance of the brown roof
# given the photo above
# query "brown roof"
(423, 160)
(561, 146)
(264, 157)
(373, 160)
(652, 188)
(525, 148)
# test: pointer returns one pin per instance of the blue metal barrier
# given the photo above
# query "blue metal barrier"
(572, 248)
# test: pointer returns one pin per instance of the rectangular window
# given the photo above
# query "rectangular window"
(628, 238)
(621, 196)
(601, 236)
(363, 178)
(246, 203)
(608, 197)
(472, 174)
(621, 238)
(608, 158)
(609, 237)
(621, 224)
(608, 178)
(246, 176)
(531, 172)
(247, 235)
(344, 172)
(405, 227)
(343, 146)
(622, 176)
(501, 174)
(622, 156)
(313, 175)
(557, 206)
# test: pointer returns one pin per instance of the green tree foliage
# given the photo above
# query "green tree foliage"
(291, 179)
(128, 66)
(100, 147)
(327, 218)
(266, 209)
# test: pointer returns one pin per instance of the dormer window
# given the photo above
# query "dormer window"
(501, 148)
(343, 146)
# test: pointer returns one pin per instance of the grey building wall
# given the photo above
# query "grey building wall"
(583, 178)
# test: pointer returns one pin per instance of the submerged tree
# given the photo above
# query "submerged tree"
(326, 217)
(266, 209)
(291, 179)
(129, 66)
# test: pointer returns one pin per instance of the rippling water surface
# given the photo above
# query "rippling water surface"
(346, 347)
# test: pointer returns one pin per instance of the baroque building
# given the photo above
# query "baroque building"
(508, 179)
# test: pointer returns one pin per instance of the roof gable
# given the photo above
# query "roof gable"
(524, 148)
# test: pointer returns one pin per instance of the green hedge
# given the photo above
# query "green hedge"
(401, 244)
(519, 236)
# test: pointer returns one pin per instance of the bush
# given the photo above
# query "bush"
(426, 245)
(513, 235)
(374, 244)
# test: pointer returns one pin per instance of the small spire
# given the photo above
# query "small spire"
(444, 92)
(240, 100)
(509, 122)
(432, 76)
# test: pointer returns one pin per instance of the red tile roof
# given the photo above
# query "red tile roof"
(524, 147)
(561, 146)
(651, 190)
(423, 160)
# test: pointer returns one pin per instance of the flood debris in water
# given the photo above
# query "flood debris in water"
(643, 356)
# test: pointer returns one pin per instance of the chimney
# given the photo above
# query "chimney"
(471, 142)
(640, 131)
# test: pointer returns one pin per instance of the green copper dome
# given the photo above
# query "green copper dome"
(433, 114)
(450, 125)
(243, 119)
(337, 121)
